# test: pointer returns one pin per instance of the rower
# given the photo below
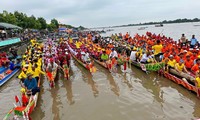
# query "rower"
(146, 58)
(113, 53)
(182, 71)
(104, 56)
(30, 84)
(195, 68)
(197, 83)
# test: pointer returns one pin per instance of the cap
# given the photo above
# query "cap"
(29, 74)
(184, 50)
(171, 56)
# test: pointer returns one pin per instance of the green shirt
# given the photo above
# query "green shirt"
(104, 57)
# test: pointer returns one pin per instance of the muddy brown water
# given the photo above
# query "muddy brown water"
(134, 95)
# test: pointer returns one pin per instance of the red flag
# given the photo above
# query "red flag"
(124, 65)
(16, 99)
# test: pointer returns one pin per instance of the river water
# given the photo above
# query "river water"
(133, 95)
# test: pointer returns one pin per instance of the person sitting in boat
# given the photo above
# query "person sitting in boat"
(30, 85)
(188, 62)
(171, 61)
(36, 71)
(12, 67)
(85, 57)
(113, 53)
(196, 66)
(67, 58)
(157, 50)
(22, 76)
(2, 76)
(104, 57)
(133, 54)
(146, 58)
(197, 83)
(181, 71)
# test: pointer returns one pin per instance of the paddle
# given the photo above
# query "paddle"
(8, 114)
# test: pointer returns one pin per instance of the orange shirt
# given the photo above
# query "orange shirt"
(177, 58)
(108, 51)
(114, 61)
(189, 64)
(193, 57)
(195, 68)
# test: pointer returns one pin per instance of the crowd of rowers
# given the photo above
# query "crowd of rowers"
(182, 56)
(31, 70)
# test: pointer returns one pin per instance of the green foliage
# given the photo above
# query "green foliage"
(31, 22)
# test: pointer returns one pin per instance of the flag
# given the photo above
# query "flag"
(16, 99)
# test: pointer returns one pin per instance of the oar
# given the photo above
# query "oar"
(8, 114)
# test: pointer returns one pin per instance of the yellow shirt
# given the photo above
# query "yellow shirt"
(22, 75)
(23, 63)
(179, 67)
(157, 49)
(171, 63)
(37, 72)
(198, 81)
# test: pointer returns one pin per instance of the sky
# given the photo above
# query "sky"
(100, 13)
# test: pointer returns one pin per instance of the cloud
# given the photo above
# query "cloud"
(92, 13)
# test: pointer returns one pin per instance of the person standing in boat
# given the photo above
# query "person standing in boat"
(157, 50)
(193, 42)
(133, 54)
(183, 40)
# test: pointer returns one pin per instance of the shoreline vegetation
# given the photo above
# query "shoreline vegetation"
(31, 22)
(184, 20)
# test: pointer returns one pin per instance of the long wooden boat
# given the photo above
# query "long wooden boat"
(84, 65)
(7, 77)
(103, 64)
(179, 81)
(21, 111)
(149, 66)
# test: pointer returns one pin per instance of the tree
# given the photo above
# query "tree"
(42, 22)
(55, 22)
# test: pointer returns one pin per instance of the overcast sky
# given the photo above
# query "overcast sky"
(96, 13)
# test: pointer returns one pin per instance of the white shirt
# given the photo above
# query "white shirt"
(52, 68)
(113, 54)
(133, 55)
(145, 58)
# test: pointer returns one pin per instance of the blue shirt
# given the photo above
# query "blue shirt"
(12, 66)
(30, 84)
(193, 41)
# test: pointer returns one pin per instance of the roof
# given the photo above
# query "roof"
(9, 26)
